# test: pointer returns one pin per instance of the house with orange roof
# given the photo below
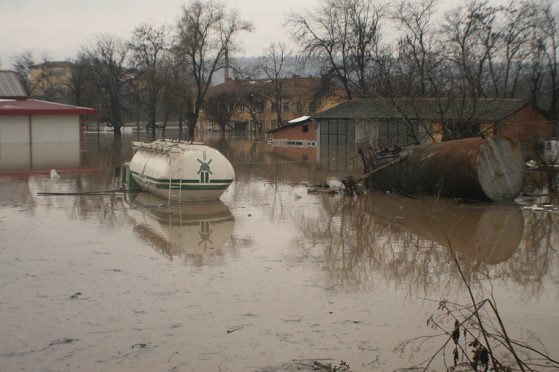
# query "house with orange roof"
(265, 104)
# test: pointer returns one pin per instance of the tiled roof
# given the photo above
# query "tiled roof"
(53, 64)
(10, 86)
(424, 108)
(294, 86)
(38, 107)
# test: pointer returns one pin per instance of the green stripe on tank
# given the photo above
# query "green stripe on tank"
(178, 180)
(192, 187)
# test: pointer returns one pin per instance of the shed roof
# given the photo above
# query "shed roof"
(38, 107)
(292, 123)
(10, 86)
(424, 108)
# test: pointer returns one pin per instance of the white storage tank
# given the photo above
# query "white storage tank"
(181, 171)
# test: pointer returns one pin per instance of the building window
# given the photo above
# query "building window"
(305, 128)
(285, 106)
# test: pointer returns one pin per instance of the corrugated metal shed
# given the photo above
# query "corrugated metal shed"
(10, 86)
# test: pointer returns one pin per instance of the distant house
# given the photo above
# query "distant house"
(385, 122)
(50, 79)
(300, 131)
(31, 121)
(257, 102)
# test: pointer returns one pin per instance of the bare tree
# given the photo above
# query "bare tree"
(471, 40)
(106, 59)
(509, 60)
(535, 59)
(149, 44)
(23, 64)
(419, 52)
(178, 87)
(549, 33)
(273, 65)
(205, 31)
(80, 83)
(255, 104)
(221, 107)
(347, 35)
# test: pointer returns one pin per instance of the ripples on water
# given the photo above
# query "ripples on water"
(266, 275)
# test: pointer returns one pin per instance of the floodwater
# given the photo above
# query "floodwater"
(269, 278)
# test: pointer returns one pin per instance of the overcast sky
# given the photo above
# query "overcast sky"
(58, 27)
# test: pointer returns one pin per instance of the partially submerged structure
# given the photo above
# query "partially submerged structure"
(180, 171)
(403, 121)
(31, 121)
(473, 168)
(37, 135)
(299, 131)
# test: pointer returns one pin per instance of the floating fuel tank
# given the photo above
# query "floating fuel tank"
(472, 168)
(180, 171)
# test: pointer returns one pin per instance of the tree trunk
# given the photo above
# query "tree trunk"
(165, 119)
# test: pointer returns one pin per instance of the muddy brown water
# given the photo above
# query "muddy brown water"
(268, 275)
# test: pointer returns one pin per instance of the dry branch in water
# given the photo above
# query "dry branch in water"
(479, 337)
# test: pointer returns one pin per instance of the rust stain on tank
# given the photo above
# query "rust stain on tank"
(474, 168)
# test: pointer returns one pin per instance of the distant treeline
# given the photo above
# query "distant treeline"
(367, 48)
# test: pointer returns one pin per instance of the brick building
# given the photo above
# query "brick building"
(300, 131)
(262, 102)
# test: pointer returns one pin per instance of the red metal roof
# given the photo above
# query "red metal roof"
(38, 107)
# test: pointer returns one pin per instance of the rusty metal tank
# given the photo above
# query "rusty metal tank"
(471, 168)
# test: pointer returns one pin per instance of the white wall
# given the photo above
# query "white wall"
(55, 128)
(14, 129)
(45, 128)
(14, 156)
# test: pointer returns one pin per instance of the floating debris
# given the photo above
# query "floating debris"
(237, 328)
(62, 341)
(139, 346)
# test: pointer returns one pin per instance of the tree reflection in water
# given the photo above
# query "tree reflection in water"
(403, 241)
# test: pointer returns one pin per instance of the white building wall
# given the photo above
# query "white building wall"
(14, 129)
(55, 128)
(44, 128)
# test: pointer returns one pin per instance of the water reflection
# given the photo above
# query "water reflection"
(39, 156)
(400, 238)
(195, 232)
(405, 241)
(478, 233)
